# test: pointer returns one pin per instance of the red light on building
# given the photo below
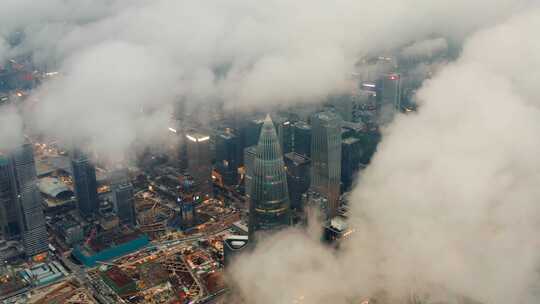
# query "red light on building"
(393, 77)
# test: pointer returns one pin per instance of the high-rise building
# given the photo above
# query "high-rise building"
(9, 224)
(123, 196)
(302, 138)
(200, 161)
(326, 157)
(227, 157)
(270, 207)
(351, 155)
(85, 183)
(249, 164)
(390, 90)
(298, 175)
(252, 132)
(30, 210)
(344, 105)
(284, 131)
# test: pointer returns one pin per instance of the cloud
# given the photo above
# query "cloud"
(425, 49)
(272, 53)
(449, 205)
(11, 126)
(109, 94)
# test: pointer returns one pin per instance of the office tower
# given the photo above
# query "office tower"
(252, 132)
(298, 175)
(344, 105)
(31, 218)
(351, 154)
(284, 131)
(199, 161)
(9, 225)
(326, 157)
(232, 247)
(227, 160)
(249, 164)
(390, 90)
(302, 138)
(85, 183)
(269, 208)
(122, 195)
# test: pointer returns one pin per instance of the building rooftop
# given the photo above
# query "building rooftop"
(338, 223)
(350, 140)
(53, 187)
(296, 158)
(197, 137)
(302, 125)
(328, 116)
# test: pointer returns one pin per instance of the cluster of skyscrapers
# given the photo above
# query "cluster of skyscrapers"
(280, 163)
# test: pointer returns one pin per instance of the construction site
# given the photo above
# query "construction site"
(176, 273)
(66, 292)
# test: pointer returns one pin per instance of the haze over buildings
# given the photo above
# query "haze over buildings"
(446, 208)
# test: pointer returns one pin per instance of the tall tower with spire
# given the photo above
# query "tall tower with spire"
(270, 205)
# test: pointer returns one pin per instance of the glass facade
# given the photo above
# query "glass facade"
(270, 205)
(85, 184)
(326, 157)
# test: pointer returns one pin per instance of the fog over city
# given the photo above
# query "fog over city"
(449, 205)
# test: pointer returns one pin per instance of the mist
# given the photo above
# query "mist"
(273, 53)
(449, 204)
(448, 208)
(11, 127)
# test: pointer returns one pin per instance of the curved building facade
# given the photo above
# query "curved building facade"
(270, 205)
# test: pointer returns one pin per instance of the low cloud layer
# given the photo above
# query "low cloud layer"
(425, 49)
(449, 206)
(11, 126)
(272, 53)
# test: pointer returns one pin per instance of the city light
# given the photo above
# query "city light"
(172, 130)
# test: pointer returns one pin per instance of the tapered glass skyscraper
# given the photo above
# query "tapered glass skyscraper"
(270, 205)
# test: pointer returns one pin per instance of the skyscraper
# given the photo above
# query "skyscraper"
(351, 154)
(285, 133)
(227, 157)
(123, 200)
(85, 184)
(249, 164)
(252, 132)
(326, 157)
(298, 171)
(31, 218)
(270, 207)
(390, 86)
(302, 138)
(344, 105)
(199, 161)
(9, 225)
